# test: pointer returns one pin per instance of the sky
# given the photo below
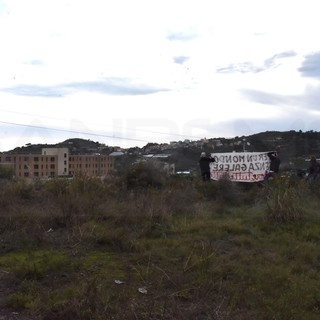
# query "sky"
(127, 73)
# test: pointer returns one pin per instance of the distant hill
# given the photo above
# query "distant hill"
(293, 147)
(75, 145)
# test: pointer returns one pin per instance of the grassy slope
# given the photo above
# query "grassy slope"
(201, 251)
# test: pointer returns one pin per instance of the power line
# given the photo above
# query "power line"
(72, 131)
(139, 130)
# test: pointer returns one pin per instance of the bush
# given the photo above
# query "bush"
(6, 172)
(77, 199)
(284, 199)
(145, 174)
(223, 190)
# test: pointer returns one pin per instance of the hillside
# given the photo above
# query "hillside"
(293, 147)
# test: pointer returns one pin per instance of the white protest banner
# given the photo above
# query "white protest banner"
(240, 166)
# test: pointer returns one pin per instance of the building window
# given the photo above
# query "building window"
(36, 159)
(52, 166)
(36, 174)
(36, 166)
(52, 159)
(65, 155)
(26, 174)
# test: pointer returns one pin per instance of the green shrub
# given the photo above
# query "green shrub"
(22, 190)
(33, 264)
(145, 174)
(223, 190)
(6, 172)
(77, 199)
(284, 198)
(27, 297)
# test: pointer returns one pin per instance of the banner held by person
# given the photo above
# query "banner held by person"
(240, 166)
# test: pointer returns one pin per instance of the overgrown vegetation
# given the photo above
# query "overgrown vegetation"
(149, 247)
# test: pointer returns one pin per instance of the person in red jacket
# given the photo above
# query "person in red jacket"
(204, 164)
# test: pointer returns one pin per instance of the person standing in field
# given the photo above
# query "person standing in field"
(274, 162)
(314, 169)
(274, 165)
(204, 164)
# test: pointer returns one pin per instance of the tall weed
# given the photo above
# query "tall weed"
(284, 199)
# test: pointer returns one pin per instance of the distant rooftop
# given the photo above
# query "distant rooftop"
(116, 154)
(160, 155)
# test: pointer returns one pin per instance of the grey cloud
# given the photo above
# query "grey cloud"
(35, 62)
(111, 86)
(299, 120)
(265, 97)
(247, 66)
(243, 67)
(34, 90)
(180, 59)
(272, 61)
(311, 66)
(309, 100)
(115, 86)
(181, 36)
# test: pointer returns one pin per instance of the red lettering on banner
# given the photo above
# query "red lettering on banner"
(242, 167)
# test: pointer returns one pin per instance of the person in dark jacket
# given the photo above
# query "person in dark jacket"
(204, 164)
(314, 169)
(274, 162)
(274, 165)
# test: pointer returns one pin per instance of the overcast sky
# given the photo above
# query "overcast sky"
(129, 72)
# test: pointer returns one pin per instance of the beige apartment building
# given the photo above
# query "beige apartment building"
(57, 162)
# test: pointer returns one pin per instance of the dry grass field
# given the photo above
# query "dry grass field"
(141, 246)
